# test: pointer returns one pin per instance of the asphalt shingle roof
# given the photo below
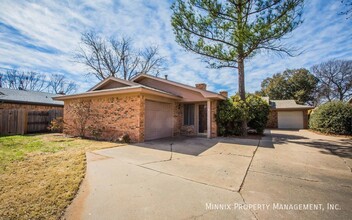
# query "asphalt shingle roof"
(30, 97)
(287, 104)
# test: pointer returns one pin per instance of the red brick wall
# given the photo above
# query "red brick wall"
(178, 116)
(109, 118)
(28, 106)
(305, 119)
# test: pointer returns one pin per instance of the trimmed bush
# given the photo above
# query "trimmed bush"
(333, 118)
(233, 111)
(259, 112)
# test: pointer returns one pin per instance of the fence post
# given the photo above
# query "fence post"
(19, 122)
(25, 121)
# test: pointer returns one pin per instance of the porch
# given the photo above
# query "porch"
(198, 118)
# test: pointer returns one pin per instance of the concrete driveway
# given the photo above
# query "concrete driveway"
(222, 178)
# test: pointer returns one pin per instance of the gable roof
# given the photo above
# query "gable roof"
(205, 93)
(28, 97)
(120, 90)
(135, 87)
(111, 78)
(287, 104)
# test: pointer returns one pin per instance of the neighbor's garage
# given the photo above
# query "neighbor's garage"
(158, 120)
(290, 119)
(287, 114)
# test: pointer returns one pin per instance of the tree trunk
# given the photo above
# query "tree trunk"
(241, 85)
(341, 96)
(242, 91)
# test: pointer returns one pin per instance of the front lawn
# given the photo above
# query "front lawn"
(40, 174)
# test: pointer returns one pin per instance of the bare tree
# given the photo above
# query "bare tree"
(127, 59)
(60, 85)
(347, 8)
(152, 61)
(12, 79)
(117, 57)
(335, 80)
(33, 81)
(30, 80)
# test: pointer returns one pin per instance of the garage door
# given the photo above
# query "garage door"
(158, 120)
(290, 119)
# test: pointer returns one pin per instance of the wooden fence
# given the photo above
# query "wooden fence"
(19, 121)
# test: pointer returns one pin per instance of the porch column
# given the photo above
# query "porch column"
(208, 119)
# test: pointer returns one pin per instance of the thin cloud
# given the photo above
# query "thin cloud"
(43, 36)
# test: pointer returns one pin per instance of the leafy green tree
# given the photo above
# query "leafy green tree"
(297, 84)
(276, 87)
(228, 32)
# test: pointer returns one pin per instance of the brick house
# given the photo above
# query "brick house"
(287, 114)
(145, 108)
(28, 100)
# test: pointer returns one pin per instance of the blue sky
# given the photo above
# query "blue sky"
(42, 36)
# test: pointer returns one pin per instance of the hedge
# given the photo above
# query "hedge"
(233, 111)
(333, 118)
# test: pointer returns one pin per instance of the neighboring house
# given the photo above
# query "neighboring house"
(287, 114)
(145, 108)
(29, 100)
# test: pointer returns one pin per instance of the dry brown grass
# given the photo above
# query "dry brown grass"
(41, 182)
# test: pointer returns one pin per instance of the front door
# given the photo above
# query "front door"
(202, 112)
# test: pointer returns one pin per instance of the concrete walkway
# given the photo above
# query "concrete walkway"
(218, 178)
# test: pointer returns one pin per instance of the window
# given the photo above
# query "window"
(188, 114)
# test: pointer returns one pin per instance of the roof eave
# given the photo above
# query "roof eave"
(126, 90)
(294, 108)
(30, 103)
(214, 97)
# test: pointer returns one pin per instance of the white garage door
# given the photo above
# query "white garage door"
(158, 120)
(290, 119)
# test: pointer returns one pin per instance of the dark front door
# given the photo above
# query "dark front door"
(202, 126)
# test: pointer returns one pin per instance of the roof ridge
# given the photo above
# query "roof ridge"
(167, 80)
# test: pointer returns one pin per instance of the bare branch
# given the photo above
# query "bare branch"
(335, 79)
(116, 57)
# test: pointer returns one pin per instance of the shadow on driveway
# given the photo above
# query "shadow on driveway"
(193, 145)
(341, 147)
